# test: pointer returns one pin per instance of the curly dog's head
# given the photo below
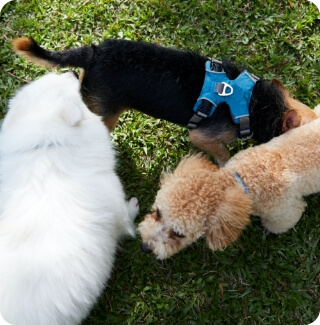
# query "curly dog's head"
(196, 200)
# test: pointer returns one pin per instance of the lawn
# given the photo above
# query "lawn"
(258, 280)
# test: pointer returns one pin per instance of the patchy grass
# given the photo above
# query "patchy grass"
(259, 279)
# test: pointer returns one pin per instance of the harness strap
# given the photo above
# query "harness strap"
(202, 112)
(205, 107)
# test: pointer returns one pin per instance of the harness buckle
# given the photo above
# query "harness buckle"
(221, 89)
(204, 110)
(216, 65)
(245, 131)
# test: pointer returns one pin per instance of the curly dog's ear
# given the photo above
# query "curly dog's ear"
(230, 218)
(192, 163)
(189, 165)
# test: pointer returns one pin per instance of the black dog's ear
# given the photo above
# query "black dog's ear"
(290, 120)
(278, 84)
(230, 218)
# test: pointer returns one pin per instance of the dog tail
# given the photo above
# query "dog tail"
(28, 48)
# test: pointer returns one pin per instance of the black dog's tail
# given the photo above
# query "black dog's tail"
(27, 47)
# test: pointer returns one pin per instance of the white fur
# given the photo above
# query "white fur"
(62, 207)
(317, 110)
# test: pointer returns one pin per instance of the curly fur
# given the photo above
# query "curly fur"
(198, 199)
(164, 83)
(62, 207)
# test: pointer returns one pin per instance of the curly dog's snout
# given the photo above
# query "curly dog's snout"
(145, 248)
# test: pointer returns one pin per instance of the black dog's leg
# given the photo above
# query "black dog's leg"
(213, 133)
(213, 145)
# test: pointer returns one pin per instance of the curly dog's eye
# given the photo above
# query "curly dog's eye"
(158, 213)
(177, 234)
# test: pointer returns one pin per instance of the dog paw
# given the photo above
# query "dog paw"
(133, 207)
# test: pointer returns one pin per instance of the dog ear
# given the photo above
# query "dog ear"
(9, 118)
(13, 114)
(279, 85)
(195, 162)
(290, 120)
(72, 114)
(230, 218)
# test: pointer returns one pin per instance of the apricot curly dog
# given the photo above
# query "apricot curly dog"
(199, 199)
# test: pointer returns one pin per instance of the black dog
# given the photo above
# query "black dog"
(164, 83)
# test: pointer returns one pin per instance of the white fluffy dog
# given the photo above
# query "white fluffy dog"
(62, 207)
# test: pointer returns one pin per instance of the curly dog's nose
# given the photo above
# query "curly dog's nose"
(145, 248)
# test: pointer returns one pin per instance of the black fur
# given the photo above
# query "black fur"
(162, 82)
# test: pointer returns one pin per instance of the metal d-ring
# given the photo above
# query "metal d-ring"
(224, 92)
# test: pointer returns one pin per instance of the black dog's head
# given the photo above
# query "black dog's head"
(267, 106)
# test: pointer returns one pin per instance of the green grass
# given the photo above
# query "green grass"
(258, 280)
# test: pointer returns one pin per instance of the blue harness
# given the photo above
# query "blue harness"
(218, 88)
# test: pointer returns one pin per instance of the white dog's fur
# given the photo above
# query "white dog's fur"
(62, 207)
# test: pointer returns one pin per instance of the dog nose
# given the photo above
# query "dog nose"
(74, 73)
(145, 248)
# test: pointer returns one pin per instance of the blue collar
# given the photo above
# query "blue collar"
(240, 181)
(218, 88)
